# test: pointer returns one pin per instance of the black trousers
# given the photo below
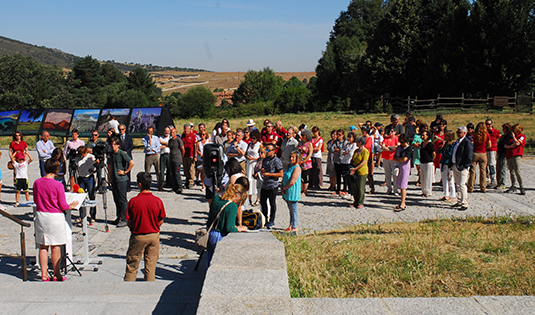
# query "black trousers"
(266, 194)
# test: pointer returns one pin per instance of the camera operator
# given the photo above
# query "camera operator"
(98, 148)
(86, 180)
(122, 165)
(70, 152)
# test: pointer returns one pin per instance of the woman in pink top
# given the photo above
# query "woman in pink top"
(49, 197)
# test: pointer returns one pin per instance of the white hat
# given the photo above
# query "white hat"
(250, 123)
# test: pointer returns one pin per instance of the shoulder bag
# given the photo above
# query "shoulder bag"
(202, 235)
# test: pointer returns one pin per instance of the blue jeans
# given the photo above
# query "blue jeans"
(42, 167)
(292, 206)
(215, 236)
(88, 185)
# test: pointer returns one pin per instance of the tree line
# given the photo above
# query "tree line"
(424, 48)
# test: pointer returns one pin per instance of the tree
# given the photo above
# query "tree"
(293, 98)
(26, 84)
(198, 102)
(258, 86)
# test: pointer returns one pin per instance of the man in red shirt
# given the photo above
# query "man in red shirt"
(515, 151)
(189, 139)
(144, 215)
(270, 136)
(494, 135)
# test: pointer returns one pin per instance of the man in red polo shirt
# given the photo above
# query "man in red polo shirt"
(494, 135)
(270, 136)
(189, 139)
(144, 215)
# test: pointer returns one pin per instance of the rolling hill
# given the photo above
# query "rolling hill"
(55, 57)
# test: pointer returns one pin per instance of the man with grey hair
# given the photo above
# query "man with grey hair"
(44, 147)
(395, 125)
(151, 142)
(462, 159)
(288, 145)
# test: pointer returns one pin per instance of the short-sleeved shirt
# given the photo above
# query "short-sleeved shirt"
(494, 135)
(189, 144)
(121, 160)
(389, 142)
(269, 137)
(21, 169)
(71, 144)
(364, 155)
(271, 165)
(21, 146)
(481, 147)
(233, 149)
(518, 151)
(175, 154)
(426, 153)
(144, 212)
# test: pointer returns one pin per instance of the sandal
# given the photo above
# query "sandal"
(399, 208)
(45, 278)
(256, 203)
(58, 279)
(418, 184)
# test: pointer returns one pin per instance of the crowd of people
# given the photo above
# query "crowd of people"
(257, 159)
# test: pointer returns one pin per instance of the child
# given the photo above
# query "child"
(21, 177)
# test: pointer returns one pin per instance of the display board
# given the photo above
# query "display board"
(143, 118)
(122, 115)
(58, 122)
(8, 122)
(85, 120)
(30, 121)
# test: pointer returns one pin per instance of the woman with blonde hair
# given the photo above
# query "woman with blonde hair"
(222, 217)
(481, 144)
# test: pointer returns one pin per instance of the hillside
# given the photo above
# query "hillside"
(55, 57)
(43, 55)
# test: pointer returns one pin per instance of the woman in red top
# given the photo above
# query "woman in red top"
(481, 144)
(438, 141)
(368, 145)
(18, 145)
(515, 151)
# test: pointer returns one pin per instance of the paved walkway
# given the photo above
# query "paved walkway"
(178, 286)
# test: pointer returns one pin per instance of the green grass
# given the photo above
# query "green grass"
(429, 259)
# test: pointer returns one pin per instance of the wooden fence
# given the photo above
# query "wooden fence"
(517, 103)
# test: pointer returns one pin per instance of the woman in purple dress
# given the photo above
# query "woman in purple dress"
(403, 156)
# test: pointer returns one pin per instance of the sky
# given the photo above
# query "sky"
(287, 36)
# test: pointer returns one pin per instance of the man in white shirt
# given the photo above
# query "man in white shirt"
(72, 144)
(44, 148)
(164, 154)
(238, 148)
(113, 123)
(152, 152)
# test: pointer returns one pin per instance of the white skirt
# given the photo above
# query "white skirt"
(50, 228)
(249, 170)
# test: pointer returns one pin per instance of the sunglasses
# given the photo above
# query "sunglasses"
(268, 150)
(95, 135)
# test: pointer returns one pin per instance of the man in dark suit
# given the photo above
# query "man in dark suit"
(462, 159)
(127, 145)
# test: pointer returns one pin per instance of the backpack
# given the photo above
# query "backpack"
(253, 220)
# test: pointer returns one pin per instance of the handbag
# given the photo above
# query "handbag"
(202, 235)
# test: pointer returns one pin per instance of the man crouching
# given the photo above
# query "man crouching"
(144, 215)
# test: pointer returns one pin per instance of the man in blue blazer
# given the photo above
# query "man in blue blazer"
(127, 145)
(460, 164)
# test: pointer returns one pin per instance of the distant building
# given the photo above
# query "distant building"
(225, 95)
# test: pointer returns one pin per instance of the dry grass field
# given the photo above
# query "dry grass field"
(328, 121)
(179, 81)
(448, 258)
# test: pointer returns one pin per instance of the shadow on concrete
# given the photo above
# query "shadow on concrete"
(183, 294)
(179, 239)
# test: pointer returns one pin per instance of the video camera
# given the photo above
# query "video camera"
(73, 154)
(213, 160)
(99, 151)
